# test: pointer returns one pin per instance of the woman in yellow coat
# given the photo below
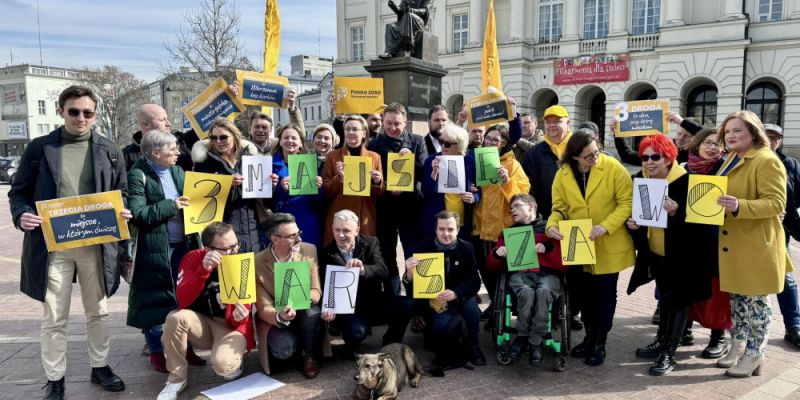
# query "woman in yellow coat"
(592, 185)
(752, 252)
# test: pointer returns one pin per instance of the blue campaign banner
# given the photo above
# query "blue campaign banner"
(644, 121)
(263, 91)
(490, 112)
(488, 109)
(222, 106)
(86, 225)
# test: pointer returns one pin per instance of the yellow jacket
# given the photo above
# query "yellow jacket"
(752, 245)
(608, 202)
(492, 214)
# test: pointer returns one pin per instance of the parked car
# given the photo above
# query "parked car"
(8, 168)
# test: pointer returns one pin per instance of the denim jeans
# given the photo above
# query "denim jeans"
(788, 303)
(469, 312)
(304, 332)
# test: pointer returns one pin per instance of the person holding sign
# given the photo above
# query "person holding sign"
(261, 123)
(324, 140)
(201, 319)
(70, 161)
(281, 331)
(355, 131)
(752, 247)
(678, 255)
(221, 153)
(361, 255)
(535, 289)
(453, 140)
(592, 185)
(461, 284)
(296, 171)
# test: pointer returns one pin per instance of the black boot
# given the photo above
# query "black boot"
(54, 390)
(687, 339)
(581, 350)
(717, 345)
(598, 354)
(675, 333)
(652, 350)
(665, 362)
(106, 378)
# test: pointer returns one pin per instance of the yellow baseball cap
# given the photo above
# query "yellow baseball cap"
(556, 110)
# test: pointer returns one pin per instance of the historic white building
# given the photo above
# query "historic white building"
(708, 57)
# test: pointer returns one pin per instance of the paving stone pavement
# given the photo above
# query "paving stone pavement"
(622, 375)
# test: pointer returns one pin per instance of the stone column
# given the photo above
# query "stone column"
(476, 21)
(796, 12)
(572, 19)
(619, 17)
(517, 27)
(341, 32)
(733, 10)
(674, 13)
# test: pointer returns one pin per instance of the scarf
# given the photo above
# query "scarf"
(558, 149)
(699, 165)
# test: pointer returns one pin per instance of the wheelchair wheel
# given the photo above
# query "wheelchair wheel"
(561, 362)
(503, 357)
(498, 302)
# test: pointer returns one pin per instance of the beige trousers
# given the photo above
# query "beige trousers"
(186, 326)
(61, 270)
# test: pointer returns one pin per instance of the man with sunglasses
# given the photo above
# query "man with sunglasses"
(70, 161)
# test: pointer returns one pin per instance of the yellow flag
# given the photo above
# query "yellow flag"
(490, 63)
(272, 41)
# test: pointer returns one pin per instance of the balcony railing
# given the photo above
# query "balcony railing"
(546, 50)
(596, 46)
(643, 42)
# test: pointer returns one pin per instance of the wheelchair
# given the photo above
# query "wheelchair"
(504, 303)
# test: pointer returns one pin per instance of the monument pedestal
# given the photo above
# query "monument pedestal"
(411, 82)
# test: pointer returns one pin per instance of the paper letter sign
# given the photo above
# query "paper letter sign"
(576, 248)
(452, 175)
(429, 276)
(488, 109)
(400, 174)
(71, 222)
(358, 95)
(257, 172)
(302, 174)
(293, 285)
(262, 89)
(357, 175)
(701, 201)
(521, 248)
(237, 279)
(641, 118)
(207, 195)
(487, 161)
(341, 288)
(216, 101)
(648, 202)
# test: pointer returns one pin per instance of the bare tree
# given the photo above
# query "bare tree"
(208, 43)
(113, 87)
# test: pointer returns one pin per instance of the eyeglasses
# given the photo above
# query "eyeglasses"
(520, 205)
(490, 139)
(74, 113)
(592, 156)
(221, 138)
(710, 143)
(654, 157)
(295, 237)
(448, 144)
(226, 250)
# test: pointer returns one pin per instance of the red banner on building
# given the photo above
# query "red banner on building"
(589, 69)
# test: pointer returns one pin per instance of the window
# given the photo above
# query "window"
(769, 10)
(551, 13)
(43, 129)
(42, 107)
(702, 105)
(357, 41)
(595, 18)
(319, 112)
(305, 113)
(645, 16)
(312, 114)
(460, 32)
(56, 105)
(765, 100)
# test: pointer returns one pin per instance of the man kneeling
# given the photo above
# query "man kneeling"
(201, 318)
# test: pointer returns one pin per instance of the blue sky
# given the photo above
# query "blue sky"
(131, 33)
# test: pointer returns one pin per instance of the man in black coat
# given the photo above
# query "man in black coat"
(149, 117)
(437, 119)
(362, 254)
(70, 161)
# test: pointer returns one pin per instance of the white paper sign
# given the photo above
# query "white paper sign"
(257, 172)
(452, 175)
(244, 388)
(648, 202)
(341, 289)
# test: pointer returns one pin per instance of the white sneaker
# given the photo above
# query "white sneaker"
(233, 375)
(171, 391)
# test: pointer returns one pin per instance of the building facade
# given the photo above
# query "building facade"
(29, 103)
(304, 65)
(708, 57)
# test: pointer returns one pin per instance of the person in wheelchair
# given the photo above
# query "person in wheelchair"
(535, 290)
(444, 314)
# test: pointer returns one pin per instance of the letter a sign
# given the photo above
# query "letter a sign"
(293, 285)
(302, 174)
(576, 248)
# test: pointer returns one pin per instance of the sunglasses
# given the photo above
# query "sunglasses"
(448, 144)
(221, 138)
(654, 157)
(74, 113)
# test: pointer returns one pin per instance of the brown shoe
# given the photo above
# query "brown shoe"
(310, 368)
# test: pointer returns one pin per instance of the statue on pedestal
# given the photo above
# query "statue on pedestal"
(413, 17)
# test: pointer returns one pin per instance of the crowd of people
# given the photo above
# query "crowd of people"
(718, 276)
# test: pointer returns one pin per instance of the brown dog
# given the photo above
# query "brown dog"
(382, 375)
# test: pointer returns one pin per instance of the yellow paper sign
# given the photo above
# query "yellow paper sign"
(357, 175)
(488, 109)
(262, 88)
(641, 118)
(207, 195)
(576, 247)
(216, 101)
(237, 279)
(400, 172)
(429, 275)
(701, 200)
(79, 221)
(358, 95)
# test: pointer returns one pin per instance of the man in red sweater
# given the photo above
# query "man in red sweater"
(201, 318)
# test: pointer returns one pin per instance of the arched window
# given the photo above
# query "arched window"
(702, 105)
(766, 100)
